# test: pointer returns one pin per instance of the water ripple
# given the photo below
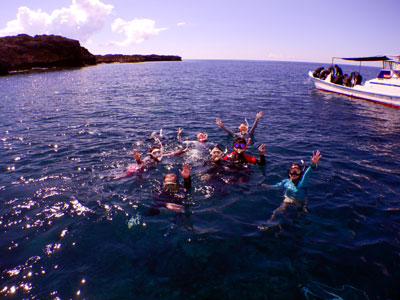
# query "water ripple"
(68, 214)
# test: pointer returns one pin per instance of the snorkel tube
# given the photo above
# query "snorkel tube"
(248, 143)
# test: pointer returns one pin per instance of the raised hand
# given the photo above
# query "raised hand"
(259, 115)
(219, 122)
(135, 155)
(316, 157)
(174, 206)
(180, 130)
(261, 149)
(185, 172)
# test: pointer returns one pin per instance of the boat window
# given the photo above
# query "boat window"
(385, 74)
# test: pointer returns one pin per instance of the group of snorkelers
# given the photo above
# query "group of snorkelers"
(172, 194)
(337, 76)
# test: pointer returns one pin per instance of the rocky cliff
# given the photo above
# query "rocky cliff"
(24, 52)
(112, 58)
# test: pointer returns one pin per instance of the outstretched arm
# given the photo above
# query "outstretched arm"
(178, 152)
(185, 172)
(219, 123)
(279, 184)
(253, 128)
(306, 176)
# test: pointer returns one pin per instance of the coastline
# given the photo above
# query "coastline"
(24, 54)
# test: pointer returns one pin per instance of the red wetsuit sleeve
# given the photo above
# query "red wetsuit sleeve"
(249, 158)
(226, 157)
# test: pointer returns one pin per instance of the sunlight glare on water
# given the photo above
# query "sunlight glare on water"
(73, 226)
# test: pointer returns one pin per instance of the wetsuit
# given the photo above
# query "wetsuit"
(162, 197)
(244, 135)
(215, 170)
(244, 158)
(296, 192)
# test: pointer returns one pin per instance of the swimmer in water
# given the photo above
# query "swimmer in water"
(155, 155)
(216, 155)
(199, 148)
(238, 155)
(243, 127)
(216, 165)
(172, 195)
(201, 141)
(296, 185)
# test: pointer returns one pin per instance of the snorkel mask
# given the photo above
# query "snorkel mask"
(216, 154)
(202, 137)
(295, 170)
(170, 186)
(239, 146)
(170, 182)
(156, 153)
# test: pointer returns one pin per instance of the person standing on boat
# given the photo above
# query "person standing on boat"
(243, 128)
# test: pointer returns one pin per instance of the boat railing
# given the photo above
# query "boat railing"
(391, 65)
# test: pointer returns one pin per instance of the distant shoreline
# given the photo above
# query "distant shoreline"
(24, 53)
(120, 58)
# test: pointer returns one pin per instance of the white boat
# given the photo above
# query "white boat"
(384, 89)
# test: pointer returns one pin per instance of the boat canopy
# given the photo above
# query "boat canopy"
(370, 58)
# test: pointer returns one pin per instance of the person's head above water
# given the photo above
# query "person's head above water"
(170, 182)
(155, 152)
(216, 153)
(295, 171)
(239, 145)
(202, 137)
(243, 127)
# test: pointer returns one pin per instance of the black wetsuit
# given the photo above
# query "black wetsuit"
(162, 197)
(244, 158)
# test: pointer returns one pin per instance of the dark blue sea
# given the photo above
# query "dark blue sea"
(71, 229)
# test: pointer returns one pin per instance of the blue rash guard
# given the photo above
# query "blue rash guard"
(298, 192)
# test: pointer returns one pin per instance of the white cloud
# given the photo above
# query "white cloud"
(180, 24)
(136, 31)
(80, 20)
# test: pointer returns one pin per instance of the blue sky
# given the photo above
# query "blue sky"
(291, 30)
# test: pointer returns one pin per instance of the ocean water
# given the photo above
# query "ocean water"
(70, 229)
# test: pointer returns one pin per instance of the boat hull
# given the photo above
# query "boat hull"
(384, 95)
